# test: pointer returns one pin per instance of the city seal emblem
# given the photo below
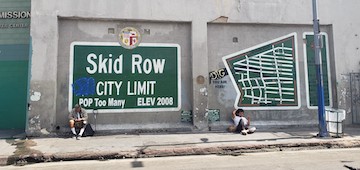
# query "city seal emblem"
(129, 37)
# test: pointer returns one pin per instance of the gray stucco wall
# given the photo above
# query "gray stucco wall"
(55, 24)
(71, 30)
(249, 35)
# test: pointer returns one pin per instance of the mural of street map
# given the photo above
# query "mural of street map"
(265, 76)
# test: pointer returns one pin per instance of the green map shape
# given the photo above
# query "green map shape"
(266, 75)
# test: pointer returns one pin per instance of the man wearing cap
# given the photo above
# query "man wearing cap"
(78, 118)
(241, 124)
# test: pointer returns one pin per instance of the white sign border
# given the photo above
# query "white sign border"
(294, 34)
(71, 64)
(306, 70)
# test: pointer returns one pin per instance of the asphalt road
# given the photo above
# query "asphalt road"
(330, 159)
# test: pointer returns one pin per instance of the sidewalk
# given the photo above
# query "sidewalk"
(16, 151)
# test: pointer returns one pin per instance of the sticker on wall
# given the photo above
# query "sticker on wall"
(310, 70)
(217, 74)
(213, 115)
(186, 116)
(266, 76)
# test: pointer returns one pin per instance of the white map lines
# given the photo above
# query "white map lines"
(268, 76)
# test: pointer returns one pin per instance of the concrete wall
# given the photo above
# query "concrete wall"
(250, 35)
(55, 24)
(71, 30)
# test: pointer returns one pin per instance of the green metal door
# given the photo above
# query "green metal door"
(14, 59)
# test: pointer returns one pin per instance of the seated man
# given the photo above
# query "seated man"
(241, 124)
(78, 118)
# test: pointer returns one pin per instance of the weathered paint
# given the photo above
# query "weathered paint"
(205, 30)
(36, 96)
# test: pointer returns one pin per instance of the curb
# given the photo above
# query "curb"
(234, 150)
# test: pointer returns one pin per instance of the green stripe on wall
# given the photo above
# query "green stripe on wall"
(13, 86)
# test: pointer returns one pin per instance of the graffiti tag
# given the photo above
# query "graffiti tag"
(217, 74)
(84, 86)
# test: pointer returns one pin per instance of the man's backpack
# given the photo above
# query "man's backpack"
(88, 130)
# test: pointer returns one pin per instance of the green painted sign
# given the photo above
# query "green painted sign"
(310, 70)
(265, 76)
(110, 78)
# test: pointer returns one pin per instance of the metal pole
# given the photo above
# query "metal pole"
(319, 78)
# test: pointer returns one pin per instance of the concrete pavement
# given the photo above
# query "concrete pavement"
(120, 146)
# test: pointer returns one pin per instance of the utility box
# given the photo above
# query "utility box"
(335, 121)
